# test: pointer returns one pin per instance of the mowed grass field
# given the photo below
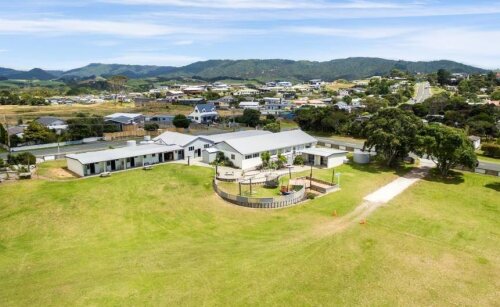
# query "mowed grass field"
(163, 237)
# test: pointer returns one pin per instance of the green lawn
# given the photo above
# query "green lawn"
(163, 237)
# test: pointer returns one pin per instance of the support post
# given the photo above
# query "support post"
(189, 160)
(250, 186)
(239, 185)
(333, 176)
(310, 177)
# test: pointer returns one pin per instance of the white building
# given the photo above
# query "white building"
(204, 114)
(192, 145)
(324, 157)
(245, 152)
(246, 92)
(132, 156)
(253, 105)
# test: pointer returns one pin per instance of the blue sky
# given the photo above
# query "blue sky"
(65, 34)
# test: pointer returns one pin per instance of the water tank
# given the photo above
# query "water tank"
(361, 157)
(131, 143)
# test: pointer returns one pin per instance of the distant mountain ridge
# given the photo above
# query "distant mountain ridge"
(274, 69)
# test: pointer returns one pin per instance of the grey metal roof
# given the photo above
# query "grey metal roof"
(48, 120)
(323, 152)
(217, 138)
(204, 108)
(121, 153)
(268, 142)
(175, 138)
(15, 130)
(120, 119)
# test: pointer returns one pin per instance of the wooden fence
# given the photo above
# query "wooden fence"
(262, 202)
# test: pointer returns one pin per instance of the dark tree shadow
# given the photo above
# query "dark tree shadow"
(493, 185)
(452, 178)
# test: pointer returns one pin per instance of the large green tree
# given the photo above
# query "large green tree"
(392, 133)
(250, 117)
(36, 133)
(447, 147)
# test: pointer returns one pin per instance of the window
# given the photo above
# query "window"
(233, 157)
(206, 145)
(191, 148)
(256, 155)
(154, 155)
(248, 157)
(144, 156)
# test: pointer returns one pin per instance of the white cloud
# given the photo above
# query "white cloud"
(266, 5)
(360, 33)
(152, 59)
(183, 42)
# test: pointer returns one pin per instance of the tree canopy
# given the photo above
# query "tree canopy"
(181, 121)
(393, 134)
(446, 146)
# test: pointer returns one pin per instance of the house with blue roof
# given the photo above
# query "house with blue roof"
(204, 114)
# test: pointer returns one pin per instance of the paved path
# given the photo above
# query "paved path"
(377, 199)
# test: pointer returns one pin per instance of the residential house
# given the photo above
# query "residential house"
(246, 92)
(204, 114)
(162, 120)
(125, 121)
(52, 123)
(252, 105)
(275, 106)
(192, 90)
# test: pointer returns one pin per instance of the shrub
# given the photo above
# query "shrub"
(181, 121)
(299, 160)
(24, 158)
(310, 195)
(491, 150)
(151, 127)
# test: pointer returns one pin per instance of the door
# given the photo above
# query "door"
(310, 159)
(92, 169)
(160, 157)
(132, 162)
(113, 165)
(198, 152)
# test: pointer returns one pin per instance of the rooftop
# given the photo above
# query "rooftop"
(120, 153)
(217, 138)
(175, 138)
(323, 152)
(272, 141)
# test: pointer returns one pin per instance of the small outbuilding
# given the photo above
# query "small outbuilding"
(209, 155)
(324, 157)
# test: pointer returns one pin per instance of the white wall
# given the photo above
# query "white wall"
(198, 144)
(76, 167)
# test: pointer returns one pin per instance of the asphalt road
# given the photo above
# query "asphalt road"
(423, 92)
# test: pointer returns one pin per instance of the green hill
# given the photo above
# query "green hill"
(350, 68)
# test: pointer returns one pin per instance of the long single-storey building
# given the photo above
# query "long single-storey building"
(245, 152)
(132, 156)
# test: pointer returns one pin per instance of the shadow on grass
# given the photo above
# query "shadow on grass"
(378, 168)
(493, 185)
(452, 178)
